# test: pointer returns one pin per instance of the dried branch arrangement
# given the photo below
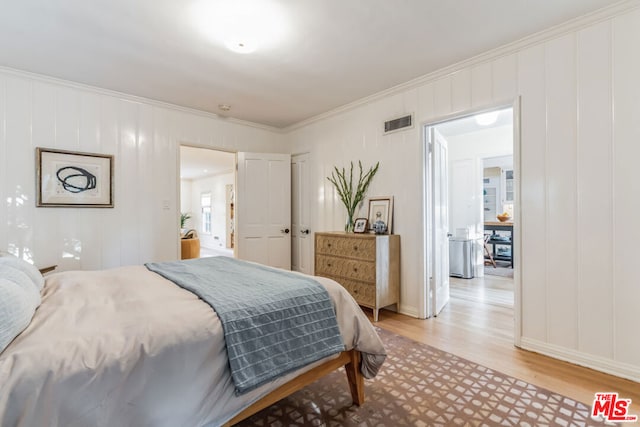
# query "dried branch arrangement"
(352, 196)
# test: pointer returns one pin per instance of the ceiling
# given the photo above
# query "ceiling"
(469, 124)
(331, 52)
(198, 163)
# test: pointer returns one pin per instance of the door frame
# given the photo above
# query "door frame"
(514, 103)
(178, 190)
(308, 156)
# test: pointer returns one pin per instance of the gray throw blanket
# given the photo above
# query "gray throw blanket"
(274, 321)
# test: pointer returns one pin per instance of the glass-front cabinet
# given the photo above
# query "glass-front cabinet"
(508, 186)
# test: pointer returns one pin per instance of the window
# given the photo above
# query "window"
(205, 206)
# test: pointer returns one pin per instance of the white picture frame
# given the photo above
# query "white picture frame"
(380, 208)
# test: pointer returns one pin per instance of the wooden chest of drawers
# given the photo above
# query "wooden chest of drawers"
(367, 265)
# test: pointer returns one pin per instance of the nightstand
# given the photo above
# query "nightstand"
(48, 269)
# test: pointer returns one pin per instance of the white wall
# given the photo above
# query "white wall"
(579, 180)
(144, 137)
(186, 201)
(216, 185)
(466, 152)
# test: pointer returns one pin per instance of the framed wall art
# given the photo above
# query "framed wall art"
(381, 214)
(360, 225)
(73, 179)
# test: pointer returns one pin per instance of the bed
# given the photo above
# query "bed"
(128, 347)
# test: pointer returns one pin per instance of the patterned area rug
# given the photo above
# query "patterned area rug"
(422, 386)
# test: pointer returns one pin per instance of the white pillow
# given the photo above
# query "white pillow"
(19, 297)
(9, 263)
(17, 306)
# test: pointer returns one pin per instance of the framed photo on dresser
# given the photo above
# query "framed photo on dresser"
(360, 225)
(380, 213)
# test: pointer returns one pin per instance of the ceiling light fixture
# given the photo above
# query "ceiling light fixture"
(224, 107)
(241, 25)
(486, 119)
(240, 47)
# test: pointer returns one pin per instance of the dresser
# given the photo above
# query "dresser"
(367, 265)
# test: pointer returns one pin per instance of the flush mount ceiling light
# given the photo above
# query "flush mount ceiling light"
(224, 107)
(240, 46)
(486, 119)
(243, 26)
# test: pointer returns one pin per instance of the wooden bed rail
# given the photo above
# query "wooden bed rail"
(349, 359)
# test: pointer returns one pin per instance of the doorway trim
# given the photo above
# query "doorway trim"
(514, 103)
(178, 189)
(295, 212)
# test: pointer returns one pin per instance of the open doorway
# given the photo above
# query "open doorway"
(207, 202)
(466, 195)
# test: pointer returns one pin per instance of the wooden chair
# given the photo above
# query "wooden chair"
(491, 261)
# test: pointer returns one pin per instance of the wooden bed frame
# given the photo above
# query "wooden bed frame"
(349, 359)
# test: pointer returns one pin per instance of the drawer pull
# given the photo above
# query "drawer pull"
(355, 269)
(328, 264)
(355, 248)
(328, 245)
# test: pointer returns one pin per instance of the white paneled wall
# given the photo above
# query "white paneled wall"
(142, 135)
(580, 180)
(594, 193)
(624, 146)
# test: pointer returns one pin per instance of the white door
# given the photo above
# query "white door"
(439, 291)
(301, 238)
(263, 199)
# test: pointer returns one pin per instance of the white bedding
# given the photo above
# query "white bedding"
(126, 347)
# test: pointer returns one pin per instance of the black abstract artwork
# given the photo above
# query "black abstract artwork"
(75, 179)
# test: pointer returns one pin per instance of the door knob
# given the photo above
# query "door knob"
(305, 231)
(285, 231)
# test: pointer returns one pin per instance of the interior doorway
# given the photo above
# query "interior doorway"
(207, 201)
(481, 171)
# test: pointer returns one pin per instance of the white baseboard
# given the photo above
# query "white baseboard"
(602, 364)
(408, 311)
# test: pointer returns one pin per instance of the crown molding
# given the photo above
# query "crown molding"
(133, 98)
(572, 25)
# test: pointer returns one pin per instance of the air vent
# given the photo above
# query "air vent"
(398, 124)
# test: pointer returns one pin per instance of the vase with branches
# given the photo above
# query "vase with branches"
(351, 195)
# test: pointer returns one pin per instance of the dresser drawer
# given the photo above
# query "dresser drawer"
(363, 293)
(347, 268)
(352, 247)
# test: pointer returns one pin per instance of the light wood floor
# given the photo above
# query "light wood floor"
(477, 325)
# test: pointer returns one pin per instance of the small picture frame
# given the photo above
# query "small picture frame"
(73, 179)
(360, 225)
(380, 212)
